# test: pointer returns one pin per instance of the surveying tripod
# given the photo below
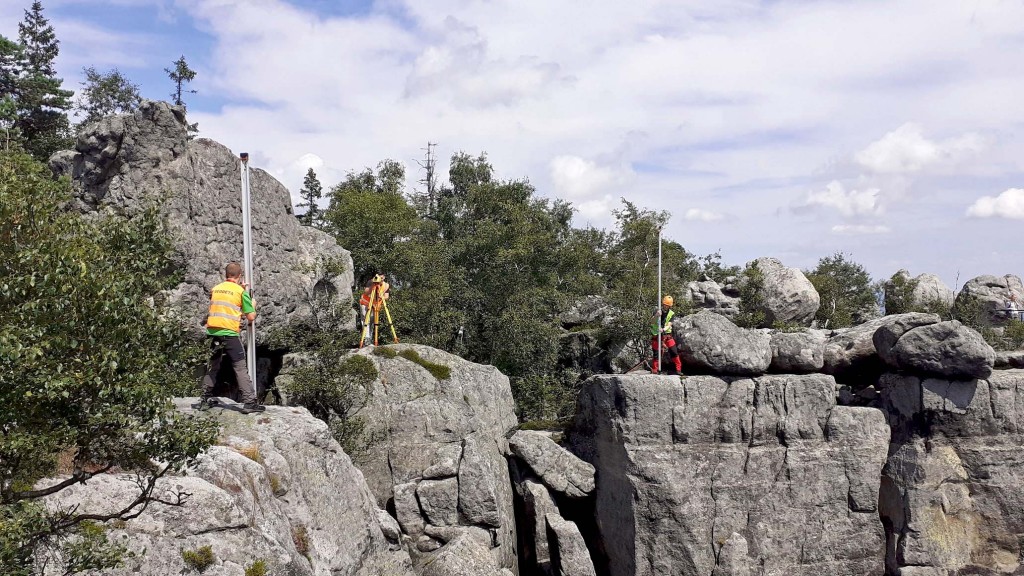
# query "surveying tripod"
(377, 301)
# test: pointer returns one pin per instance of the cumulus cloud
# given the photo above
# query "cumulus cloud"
(859, 229)
(1009, 204)
(575, 178)
(836, 197)
(745, 108)
(699, 215)
(907, 150)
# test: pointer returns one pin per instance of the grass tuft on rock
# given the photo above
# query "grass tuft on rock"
(385, 352)
(439, 371)
(199, 559)
(252, 452)
(257, 568)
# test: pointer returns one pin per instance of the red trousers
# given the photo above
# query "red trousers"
(668, 351)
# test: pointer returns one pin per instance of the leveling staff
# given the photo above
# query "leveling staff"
(229, 301)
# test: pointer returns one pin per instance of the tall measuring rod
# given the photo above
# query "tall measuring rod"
(250, 355)
(657, 309)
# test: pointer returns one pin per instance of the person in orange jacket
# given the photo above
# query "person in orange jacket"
(383, 293)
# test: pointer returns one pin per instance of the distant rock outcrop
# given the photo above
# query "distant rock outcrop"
(124, 164)
(278, 489)
(787, 296)
(981, 299)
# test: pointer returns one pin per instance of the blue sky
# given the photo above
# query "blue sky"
(889, 130)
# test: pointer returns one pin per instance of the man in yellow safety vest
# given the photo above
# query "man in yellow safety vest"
(229, 302)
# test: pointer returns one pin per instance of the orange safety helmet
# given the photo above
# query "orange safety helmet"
(667, 300)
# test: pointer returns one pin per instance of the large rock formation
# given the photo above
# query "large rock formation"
(710, 295)
(278, 489)
(929, 290)
(124, 164)
(981, 298)
(787, 296)
(684, 465)
(710, 343)
(439, 457)
(952, 497)
(851, 354)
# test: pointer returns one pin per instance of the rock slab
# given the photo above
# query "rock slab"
(710, 343)
(682, 465)
(952, 494)
(559, 469)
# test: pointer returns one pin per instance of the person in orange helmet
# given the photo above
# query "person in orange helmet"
(661, 331)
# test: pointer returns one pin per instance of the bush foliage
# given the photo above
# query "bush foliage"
(86, 366)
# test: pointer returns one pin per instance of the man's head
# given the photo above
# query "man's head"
(233, 271)
(667, 302)
(378, 279)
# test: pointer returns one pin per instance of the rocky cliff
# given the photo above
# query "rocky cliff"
(438, 462)
(909, 466)
(124, 164)
(276, 488)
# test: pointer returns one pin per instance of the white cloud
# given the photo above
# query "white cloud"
(700, 215)
(848, 203)
(859, 229)
(665, 103)
(1009, 204)
(575, 178)
(906, 150)
(597, 211)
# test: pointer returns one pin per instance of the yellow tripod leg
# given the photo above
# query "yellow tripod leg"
(391, 324)
(376, 325)
(366, 320)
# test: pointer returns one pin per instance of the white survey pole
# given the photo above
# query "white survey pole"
(250, 356)
(657, 309)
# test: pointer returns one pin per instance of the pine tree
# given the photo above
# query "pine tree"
(41, 103)
(105, 94)
(181, 74)
(311, 192)
(11, 64)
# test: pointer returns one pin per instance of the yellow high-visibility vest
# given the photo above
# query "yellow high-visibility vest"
(225, 307)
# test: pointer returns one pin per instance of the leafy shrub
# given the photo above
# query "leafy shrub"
(333, 386)
(751, 298)
(199, 559)
(73, 291)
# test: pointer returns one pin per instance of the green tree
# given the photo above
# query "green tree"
(42, 104)
(181, 75)
(106, 93)
(311, 191)
(12, 59)
(75, 401)
(899, 293)
(844, 287)
(369, 216)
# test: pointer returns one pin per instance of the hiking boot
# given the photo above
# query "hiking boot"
(205, 403)
(252, 407)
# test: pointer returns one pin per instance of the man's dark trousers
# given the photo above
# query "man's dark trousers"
(230, 346)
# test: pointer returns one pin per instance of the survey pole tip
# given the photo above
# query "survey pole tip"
(244, 156)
